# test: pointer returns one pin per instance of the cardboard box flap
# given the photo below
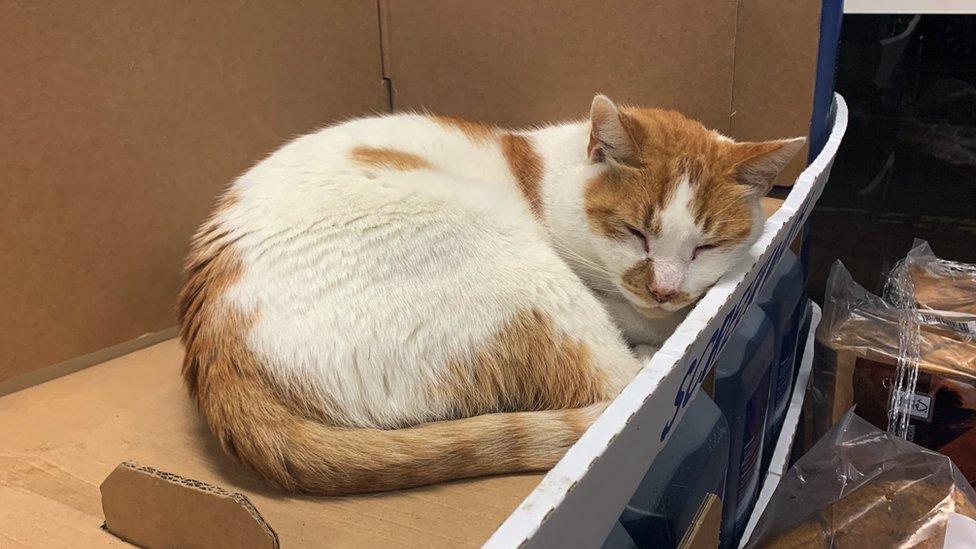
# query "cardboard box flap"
(152, 508)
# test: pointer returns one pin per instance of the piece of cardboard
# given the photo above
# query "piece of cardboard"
(152, 508)
(121, 122)
(705, 527)
(743, 67)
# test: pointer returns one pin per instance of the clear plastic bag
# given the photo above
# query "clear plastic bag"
(860, 487)
(943, 288)
(924, 291)
(859, 345)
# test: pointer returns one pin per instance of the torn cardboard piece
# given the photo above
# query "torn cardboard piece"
(151, 508)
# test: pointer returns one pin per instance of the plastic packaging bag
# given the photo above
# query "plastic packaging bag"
(857, 359)
(943, 288)
(860, 487)
(924, 290)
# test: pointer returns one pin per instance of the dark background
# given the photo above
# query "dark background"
(907, 166)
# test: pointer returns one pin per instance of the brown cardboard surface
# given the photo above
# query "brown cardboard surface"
(30, 520)
(121, 121)
(705, 528)
(770, 205)
(517, 63)
(61, 439)
(151, 508)
(775, 71)
(72, 365)
(744, 67)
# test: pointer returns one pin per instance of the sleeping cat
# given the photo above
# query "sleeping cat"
(401, 300)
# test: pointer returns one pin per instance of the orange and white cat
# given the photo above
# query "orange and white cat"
(401, 300)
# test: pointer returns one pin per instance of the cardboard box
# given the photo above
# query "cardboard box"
(124, 122)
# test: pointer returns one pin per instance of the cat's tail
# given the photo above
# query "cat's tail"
(302, 454)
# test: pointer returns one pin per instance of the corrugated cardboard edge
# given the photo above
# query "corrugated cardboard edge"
(140, 510)
(76, 364)
(704, 530)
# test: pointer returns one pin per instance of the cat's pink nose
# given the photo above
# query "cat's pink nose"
(661, 295)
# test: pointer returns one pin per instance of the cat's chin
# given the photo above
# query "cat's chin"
(652, 312)
(662, 311)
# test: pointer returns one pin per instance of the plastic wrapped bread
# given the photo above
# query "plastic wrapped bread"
(943, 287)
(860, 487)
(857, 356)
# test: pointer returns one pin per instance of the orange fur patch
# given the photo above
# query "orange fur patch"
(525, 164)
(528, 365)
(385, 157)
(476, 132)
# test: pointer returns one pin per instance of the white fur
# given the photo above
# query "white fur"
(370, 282)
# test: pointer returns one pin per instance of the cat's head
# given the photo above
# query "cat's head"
(676, 204)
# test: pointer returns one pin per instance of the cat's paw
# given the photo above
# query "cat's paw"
(645, 352)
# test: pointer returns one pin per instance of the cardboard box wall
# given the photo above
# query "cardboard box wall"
(743, 67)
(123, 120)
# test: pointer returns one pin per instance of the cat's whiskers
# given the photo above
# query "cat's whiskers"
(570, 253)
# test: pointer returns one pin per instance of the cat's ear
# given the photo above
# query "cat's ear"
(610, 141)
(757, 164)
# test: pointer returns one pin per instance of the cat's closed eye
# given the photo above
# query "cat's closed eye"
(638, 234)
(703, 248)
